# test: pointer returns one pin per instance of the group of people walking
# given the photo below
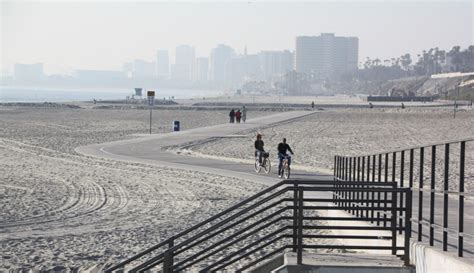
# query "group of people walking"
(238, 115)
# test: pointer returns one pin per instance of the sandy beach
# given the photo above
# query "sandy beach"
(317, 138)
(63, 211)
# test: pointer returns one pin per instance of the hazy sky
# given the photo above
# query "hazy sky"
(104, 35)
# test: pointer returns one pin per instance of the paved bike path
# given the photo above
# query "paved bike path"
(150, 149)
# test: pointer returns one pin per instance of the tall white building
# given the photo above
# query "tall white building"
(143, 69)
(162, 64)
(219, 60)
(201, 70)
(184, 63)
(326, 55)
(275, 63)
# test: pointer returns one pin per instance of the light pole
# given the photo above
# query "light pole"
(151, 102)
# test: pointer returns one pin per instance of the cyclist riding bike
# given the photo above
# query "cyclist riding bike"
(283, 149)
(259, 150)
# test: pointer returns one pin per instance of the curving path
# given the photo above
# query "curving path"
(151, 149)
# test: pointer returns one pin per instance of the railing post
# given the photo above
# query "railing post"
(461, 198)
(402, 178)
(379, 195)
(373, 168)
(432, 193)
(379, 175)
(356, 178)
(372, 194)
(359, 193)
(393, 223)
(365, 194)
(445, 197)
(385, 194)
(295, 217)
(300, 226)
(394, 166)
(410, 174)
(408, 208)
(168, 258)
(420, 195)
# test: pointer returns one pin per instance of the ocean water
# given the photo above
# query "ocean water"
(44, 94)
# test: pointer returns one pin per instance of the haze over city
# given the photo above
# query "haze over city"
(236, 136)
(104, 35)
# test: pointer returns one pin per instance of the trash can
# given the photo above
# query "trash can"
(176, 125)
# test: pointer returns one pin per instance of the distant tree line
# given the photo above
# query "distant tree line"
(432, 61)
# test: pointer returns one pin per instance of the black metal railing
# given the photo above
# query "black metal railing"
(433, 176)
(286, 216)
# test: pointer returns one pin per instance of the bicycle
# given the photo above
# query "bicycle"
(285, 168)
(265, 163)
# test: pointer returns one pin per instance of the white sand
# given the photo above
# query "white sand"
(60, 210)
(316, 139)
(318, 100)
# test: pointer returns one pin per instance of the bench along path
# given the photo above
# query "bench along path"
(151, 149)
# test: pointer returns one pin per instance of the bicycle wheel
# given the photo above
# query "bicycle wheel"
(266, 165)
(258, 167)
(286, 172)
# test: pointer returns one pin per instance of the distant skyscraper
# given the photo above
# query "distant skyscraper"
(220, 57)
(326, 55)
(143, 69)
(253, 69)
(202, 69)
(275, 63)
(28, 72)
(184, 64)
(235, 71)
(162, 64)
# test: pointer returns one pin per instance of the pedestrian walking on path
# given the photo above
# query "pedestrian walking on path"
(231, 116)
(244, 114)
(238, 115)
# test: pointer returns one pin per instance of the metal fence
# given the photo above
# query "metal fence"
(286, 216)
(437, 175)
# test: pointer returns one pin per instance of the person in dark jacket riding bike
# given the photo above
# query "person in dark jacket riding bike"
(283, 149)
(259, 150)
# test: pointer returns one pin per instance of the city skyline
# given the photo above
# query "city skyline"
(137, 31)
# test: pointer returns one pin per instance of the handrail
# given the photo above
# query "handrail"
(429, 174)
(223, 222)
(209, 241)
(210, 219)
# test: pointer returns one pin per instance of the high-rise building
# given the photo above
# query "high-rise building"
(235, 71)
(162, 64)
(28, 72)
(275, 63)
(253, 70)
(202, 70)
(326, 55)
(184, 63)
(219, 60)
(143, 69)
